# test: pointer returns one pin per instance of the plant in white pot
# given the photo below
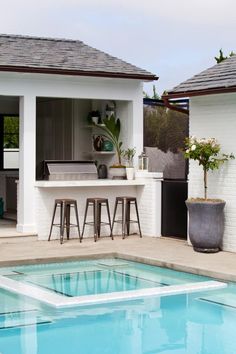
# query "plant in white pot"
(129, 157)
(206, 218)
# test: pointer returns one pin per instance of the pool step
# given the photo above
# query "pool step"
(60, 301)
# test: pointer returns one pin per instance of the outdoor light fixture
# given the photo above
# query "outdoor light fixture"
(143, 162)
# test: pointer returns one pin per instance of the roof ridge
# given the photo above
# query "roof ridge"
(4, 35)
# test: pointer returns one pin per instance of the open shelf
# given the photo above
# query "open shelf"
(103, 152)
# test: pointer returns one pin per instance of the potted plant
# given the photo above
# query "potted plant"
(94, 117)
(206, 218)
(129, 156)
(111, 127)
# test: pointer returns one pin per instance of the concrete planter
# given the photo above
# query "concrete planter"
(206, 224)
(117, 172)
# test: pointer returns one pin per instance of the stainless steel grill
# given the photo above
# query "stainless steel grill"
(69, 170)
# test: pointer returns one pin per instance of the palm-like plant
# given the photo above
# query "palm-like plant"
(111, 127)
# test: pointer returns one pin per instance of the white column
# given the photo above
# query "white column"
(26, 193)
(149, 203)
(137, 123)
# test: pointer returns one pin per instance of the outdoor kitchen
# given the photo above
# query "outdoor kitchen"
(78, 159)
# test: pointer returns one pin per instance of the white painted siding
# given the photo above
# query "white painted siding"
(215, 116)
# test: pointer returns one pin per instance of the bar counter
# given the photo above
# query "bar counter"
(146, 190)
(90, 183)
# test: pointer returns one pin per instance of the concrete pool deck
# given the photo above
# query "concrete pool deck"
(165, 252)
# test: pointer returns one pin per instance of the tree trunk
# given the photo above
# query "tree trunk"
(205, 183)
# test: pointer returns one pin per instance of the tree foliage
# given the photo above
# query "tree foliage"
(207, 153)
(221, 56)
(11, 132)
(165, 129)
(154, 96)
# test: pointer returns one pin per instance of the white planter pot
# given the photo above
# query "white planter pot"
(130, 173)
(117, 172)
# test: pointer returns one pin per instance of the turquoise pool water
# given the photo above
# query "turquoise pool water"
(197, 323)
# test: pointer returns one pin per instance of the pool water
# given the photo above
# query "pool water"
(196, 323)
(98, 276)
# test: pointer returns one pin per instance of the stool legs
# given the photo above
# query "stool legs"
(114, 214)
(65, 213)
(77, 221)
(109, 219)
(53, 217)
(67, 221)
(124, 223)
(97, 206)
(95, 220)
(85, 218)
(137, 213)
(62, 229)
(125, 219)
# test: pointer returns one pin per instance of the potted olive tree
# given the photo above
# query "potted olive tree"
(206, 218)
(111, 127)
(129, 157)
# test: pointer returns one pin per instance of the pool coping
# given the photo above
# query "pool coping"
(126, 256)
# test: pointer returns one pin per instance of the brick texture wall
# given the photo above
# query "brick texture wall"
(215, 116)
(148, 198)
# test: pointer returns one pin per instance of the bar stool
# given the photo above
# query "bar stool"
(97, 204)
(65, 206)
(126, 203)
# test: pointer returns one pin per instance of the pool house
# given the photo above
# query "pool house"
(48, 89)
(212, 98)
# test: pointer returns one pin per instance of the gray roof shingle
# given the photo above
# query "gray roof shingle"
(25, 53)
(220, 76)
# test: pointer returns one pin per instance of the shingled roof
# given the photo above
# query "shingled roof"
(62, 56)
(217, 79)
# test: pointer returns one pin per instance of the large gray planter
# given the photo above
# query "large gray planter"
(206, 225)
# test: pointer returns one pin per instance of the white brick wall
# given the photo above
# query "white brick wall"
(215, 116)
(148, 197)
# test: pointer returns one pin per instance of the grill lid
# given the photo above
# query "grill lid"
(67, 170)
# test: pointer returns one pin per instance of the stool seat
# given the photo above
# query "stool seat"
(97, 204)
(65, 204)
(72, 201)
(126, 202)
(98, 200)
(130, 199)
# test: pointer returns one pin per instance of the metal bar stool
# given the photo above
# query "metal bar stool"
(97, 204)
(65, 209)
(126, 203)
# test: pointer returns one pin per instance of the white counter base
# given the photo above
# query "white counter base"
(147, 191)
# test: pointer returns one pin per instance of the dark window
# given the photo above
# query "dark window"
(9, 141)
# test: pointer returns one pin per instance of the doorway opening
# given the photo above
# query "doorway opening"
(9, 163)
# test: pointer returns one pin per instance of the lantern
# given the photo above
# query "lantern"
(143, 162)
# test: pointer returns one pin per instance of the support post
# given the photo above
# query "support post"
(26, 192)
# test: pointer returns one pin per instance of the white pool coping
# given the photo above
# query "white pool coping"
(60, 301)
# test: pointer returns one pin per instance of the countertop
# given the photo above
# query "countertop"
(90, 183)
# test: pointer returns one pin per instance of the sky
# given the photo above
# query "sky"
(173, 39)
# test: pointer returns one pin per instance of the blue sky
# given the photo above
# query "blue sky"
(174, 39)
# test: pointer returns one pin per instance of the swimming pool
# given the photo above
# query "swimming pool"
(202, 322)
